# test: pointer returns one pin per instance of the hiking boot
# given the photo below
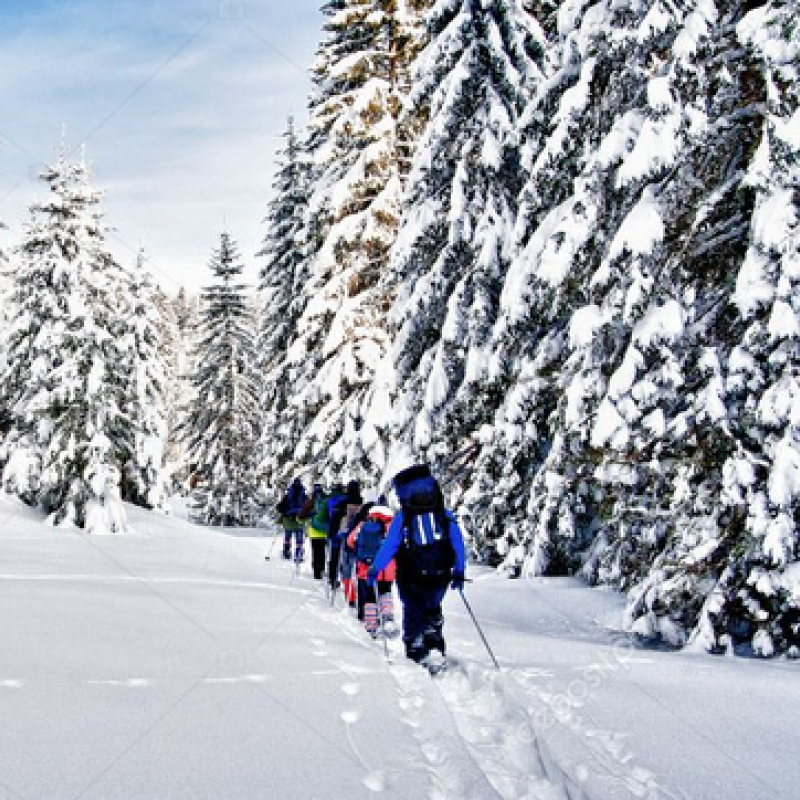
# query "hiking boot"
(434, 640)
(416, 649)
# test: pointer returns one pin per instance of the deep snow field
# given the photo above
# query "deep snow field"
(175, 663)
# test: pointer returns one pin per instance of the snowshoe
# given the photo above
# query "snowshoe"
(435, 662)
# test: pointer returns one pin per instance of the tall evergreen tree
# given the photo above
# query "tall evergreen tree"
(637, 440)
(343, 378)
(283, 279)
(145, 478)
(180, 316)
(597, 134)
(472, 82)
(64, 379)
(724, 576)
(169, 349)
(222, 428)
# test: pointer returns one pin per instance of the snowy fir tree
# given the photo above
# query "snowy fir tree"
(64, 380)
(284, 277)
(596, 139)
(222, 427)
(169, 350)
(343, 380)
(736, 557)
(145, 479)
(180, 321)
(623, 426)
(473, 80)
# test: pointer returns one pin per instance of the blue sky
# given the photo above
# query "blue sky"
(181, 105)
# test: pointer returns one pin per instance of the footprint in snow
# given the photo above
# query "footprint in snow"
(375, 781)
(435, 755)
(320, 651)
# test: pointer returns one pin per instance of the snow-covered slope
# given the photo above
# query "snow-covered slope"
(177, 663)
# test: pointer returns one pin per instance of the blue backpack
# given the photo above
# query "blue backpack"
(295, 498)
(370, 539)
(427, 556)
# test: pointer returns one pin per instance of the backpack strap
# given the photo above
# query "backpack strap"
(440, 517)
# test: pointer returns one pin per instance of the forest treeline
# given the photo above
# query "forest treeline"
(550, 248)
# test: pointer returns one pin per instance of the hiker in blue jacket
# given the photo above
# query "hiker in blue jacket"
(429, 546)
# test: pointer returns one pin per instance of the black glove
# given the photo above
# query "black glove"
(457, 581)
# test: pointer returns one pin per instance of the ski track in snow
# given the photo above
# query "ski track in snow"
(486, 735)
(476, 744)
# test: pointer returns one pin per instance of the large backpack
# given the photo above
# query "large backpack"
(370, 538)
(427, 556)
(295, 498)
(320, 518)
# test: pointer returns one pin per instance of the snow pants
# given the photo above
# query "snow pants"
(299, 537)
(347, 571)
(422, 618)
(318, 547)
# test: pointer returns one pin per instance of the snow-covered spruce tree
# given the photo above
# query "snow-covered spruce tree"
(180, 320)
(145, 479)
(481, 66)
(65, 375)
(601, 136)
(338, 360)
(737, 561)
(283, 279)
(169, 348)
(625, 286)
(223, 426)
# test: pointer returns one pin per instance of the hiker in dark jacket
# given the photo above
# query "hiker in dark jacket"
(342, 511)
(429, 546)
(289, 507)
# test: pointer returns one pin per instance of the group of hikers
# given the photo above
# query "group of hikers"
(365, 548)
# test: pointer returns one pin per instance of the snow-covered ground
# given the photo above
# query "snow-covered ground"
(176, 663)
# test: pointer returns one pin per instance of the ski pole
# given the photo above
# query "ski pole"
(268, 556)
(478, 627)
(380, 619)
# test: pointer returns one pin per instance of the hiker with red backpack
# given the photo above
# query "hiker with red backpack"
(429, 547)
(365, 541)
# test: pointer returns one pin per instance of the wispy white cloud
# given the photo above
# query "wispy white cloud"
(181, 104)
